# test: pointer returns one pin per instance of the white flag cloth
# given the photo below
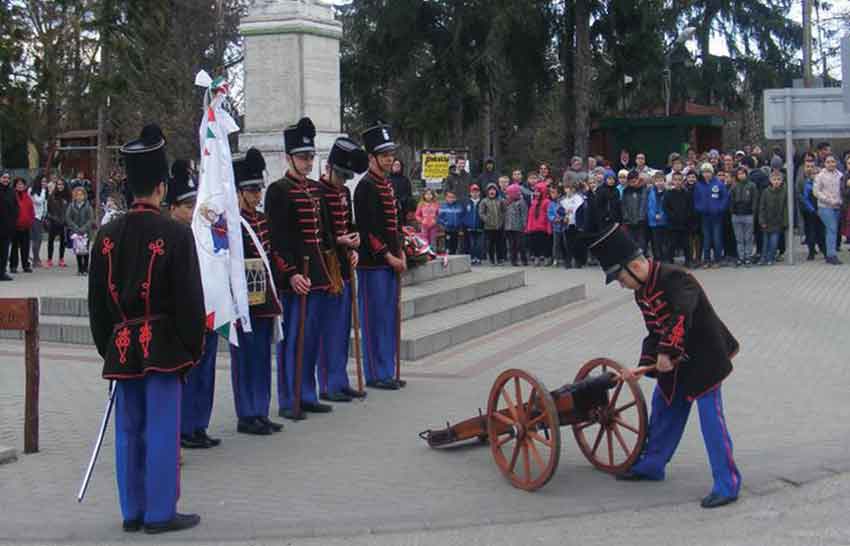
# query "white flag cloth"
(216, 221)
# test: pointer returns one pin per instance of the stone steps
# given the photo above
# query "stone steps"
(435, 332)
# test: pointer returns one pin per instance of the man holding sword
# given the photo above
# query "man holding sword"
(688, 350)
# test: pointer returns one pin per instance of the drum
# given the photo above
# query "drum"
(255, 275)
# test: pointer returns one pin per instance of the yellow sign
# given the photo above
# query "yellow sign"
(435, 166)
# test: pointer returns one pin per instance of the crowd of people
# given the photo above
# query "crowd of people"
(708, 210)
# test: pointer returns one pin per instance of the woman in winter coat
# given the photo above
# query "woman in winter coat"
(23, 225)
(38, 194)
(827, 191)
(538, 228)
(79, 218)
(57, 205)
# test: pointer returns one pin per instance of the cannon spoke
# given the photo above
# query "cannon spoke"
(511, 407)
(610, 447)
(504, 440)
(537, 420)
(620, 439)
(519, 408)
(585, 425)
(537, 458)
(504, 419)
(526, 461)
(626, 425)
(598, 440)
(613, 403)
(534, 435)
(621, 409)
(514, 457)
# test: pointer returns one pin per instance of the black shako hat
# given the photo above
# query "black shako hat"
(614, 249)
(347, 158)
(181, 187)
(248, 171)
(145, 161)
(378, 138)
(300, 138)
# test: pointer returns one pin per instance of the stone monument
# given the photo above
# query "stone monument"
(291, 64)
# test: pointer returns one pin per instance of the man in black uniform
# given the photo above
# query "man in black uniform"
(381, 260)
(301, 232)
(345, 160)
(691, 350)
(251, 361)
(146, 310)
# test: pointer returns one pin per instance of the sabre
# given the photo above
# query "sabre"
(299, 347)
(398, 328)
(99, 442)
(355, 319)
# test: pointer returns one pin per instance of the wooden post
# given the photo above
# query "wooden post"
(22, 314)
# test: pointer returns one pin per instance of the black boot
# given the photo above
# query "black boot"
(354, 393)
(335, 397)
(178, 523)
(291, 415)
(132, 525)
(202, 435)
(315, 407)
(253, 426)
(276, 427)
(192, 442)
(387, 385)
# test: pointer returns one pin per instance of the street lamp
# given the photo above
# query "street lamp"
(684, 36)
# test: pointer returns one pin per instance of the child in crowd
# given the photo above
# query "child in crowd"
(538, 228)
(730, 247)
(634, 208)
(744, 203)
(711, 199)
(113, 211)
(557, 217)
(657, 218)
(815, 232)
(678, 209)
(79, 217)
(773, 215)
(426, 215)
(695, 226)
(516, 218)
(473, 226)
(492, 215)
(450, 218)
(573, 204)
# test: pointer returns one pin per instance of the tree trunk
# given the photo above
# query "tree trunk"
(102, 111)
(486, 125)
(704, 41)
(581, 73)
(567, 53)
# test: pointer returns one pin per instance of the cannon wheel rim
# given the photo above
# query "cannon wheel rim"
(529, 448)
(620, 428)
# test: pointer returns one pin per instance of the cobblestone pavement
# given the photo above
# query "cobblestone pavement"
(362, 469)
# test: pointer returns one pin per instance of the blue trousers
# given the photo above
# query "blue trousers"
(333, 347)
(475, 244)
(251, 369)
(712, 237)
(199, 389)
(665, 430)
(831, 219)
(147, 446)
(770, 243)
(378, 312)
(317, 314)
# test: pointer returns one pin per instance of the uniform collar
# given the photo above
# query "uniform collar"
(297, 182)
(379, 177)
(144, 207)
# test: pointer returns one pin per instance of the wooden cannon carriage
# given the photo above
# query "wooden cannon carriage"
(523, 420)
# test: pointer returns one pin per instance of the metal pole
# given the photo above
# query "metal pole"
(789, 180)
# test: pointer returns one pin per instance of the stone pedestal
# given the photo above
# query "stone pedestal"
(291, 70)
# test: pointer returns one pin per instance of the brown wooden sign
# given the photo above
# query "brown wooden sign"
(22, 314)
(15, 314)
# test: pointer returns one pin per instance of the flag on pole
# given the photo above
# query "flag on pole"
(216, 221)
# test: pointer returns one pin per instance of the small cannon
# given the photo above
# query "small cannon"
(523, 420)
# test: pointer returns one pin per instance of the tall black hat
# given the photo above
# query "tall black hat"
(379, 138)
(300, 137)
(248, 171)
(145, 159)
(182, 186)
(347, 158)
(614, 249)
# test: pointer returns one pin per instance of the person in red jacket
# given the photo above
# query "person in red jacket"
(26, 217)
(538, 228)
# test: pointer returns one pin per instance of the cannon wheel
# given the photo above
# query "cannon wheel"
(613, 437)
(523, 428)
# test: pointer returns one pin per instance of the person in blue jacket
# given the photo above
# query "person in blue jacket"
(473, 226)
(450, 218)
(711, 199)
(657, 219)
(815, 232)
